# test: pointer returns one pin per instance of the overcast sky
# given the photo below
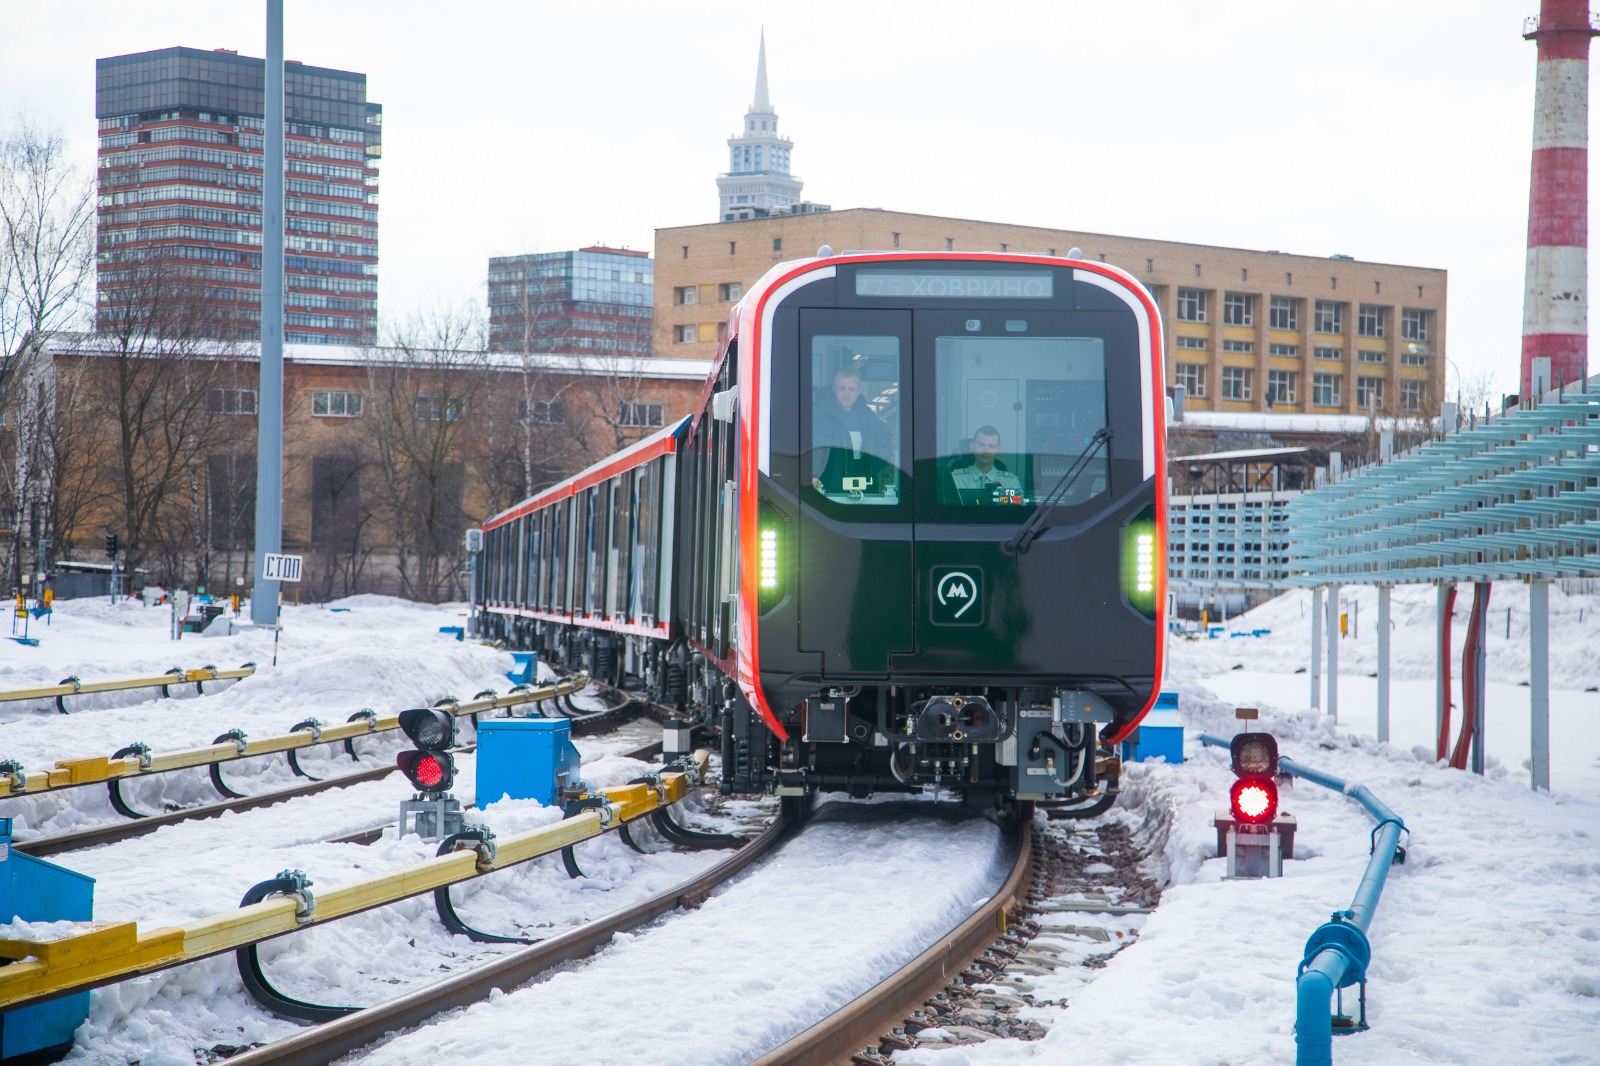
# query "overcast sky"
(1394, 132)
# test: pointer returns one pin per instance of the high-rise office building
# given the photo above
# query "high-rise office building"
(758, 183)
(593, 300)
(180, 186)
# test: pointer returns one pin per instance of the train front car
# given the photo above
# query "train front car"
(954, 573)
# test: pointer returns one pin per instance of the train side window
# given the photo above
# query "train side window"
(564, 549)
(620, 564)
(643, 606)
(854, 440)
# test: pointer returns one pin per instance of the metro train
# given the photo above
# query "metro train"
(912, 538)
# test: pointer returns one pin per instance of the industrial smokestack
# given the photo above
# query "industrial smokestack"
(1555, 320)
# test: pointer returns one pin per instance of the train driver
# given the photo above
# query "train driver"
(984, 478)
(851, 445)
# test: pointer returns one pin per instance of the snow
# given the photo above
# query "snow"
(1486, 942)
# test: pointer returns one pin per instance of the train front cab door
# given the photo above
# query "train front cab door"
(857, 594)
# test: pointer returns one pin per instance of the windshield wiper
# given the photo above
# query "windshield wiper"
(1030, 530)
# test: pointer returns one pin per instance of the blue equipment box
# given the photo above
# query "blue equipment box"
(525, 758)
(1159, 736)
(37, 891)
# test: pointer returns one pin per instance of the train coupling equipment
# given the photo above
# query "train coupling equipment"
(964, 719)
(1078, 707)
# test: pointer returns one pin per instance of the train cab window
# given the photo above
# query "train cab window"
(1016, 419)
(854, 440)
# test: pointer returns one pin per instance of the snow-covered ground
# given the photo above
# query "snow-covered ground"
(1486, 942)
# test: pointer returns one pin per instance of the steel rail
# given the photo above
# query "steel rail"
(887, 1004)
(106, 953)
(119, 831)
(334, 1039)
(73, 686)
(137, 761)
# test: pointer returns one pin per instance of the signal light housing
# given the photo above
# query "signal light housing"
(1143, 565)
(432, 769)
(1254, 754)
(1254, 800)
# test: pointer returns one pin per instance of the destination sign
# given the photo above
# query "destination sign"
(1004, 285)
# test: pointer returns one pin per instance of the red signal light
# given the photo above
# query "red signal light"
(428, 771)
(1254, 799)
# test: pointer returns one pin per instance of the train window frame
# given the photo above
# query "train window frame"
(835, 328)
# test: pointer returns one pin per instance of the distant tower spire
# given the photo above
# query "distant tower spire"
(1555, 317)
(758, 182)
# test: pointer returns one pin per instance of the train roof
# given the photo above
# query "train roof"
(658, 443)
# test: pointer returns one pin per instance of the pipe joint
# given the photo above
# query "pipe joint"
(1343, 936)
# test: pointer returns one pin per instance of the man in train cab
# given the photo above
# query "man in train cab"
(851, 445)
(983, 478)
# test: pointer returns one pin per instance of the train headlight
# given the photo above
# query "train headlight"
(1140, 563)
(771, 543)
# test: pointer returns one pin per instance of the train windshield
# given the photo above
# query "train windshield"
(856, 439)
(1013, 415)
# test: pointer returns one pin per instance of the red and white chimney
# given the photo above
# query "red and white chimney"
(1555, 320)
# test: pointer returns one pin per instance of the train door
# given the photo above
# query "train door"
(856, 567)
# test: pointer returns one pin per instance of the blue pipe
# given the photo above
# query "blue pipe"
(1338, 952)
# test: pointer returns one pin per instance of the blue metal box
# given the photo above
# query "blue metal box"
(525, 758)
(1160, 734)
(37, 891)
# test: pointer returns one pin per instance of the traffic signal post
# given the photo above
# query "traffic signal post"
(1253, 834)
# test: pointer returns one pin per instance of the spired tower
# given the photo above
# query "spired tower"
(758, 182)
(1555, 319)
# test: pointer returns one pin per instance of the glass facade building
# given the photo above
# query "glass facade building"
(180, 192)
(594, 300)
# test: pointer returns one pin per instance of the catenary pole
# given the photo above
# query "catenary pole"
(269, 436)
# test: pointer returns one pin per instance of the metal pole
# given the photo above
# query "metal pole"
(1441, 662)
(1383, 663)
(1539, 680)
(1333, 651)
(1316, 648)
(269, 434)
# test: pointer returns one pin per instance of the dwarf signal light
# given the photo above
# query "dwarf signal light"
(433, 768)
(1254, 800)
(1255, 755)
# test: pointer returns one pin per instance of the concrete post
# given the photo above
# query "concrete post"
(1333, 651)
(269, 434)
(1539, 680)
(1316, 648)
(1383, 663)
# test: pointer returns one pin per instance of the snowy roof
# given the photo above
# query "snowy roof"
(1292, 422)
(351, 355)
(1243, 455)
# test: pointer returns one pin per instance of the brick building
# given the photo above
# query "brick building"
(377, 443)
(1245, 330)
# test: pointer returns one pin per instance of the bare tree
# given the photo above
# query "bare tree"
(46, 261)
(424, 393)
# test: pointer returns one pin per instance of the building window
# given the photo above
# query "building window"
(684, 295)
(1364, 356)
(336, 404)
(729, 291)
(1325, 390)
(1285, 313)
(1281, 386)
(1369, 393)
(1236, 382)
(221, 401)
(1192, 376)
(685, 334)
(640, 414)
(432, 407)
(1239, 346)
(1191, 305)
(949, 244)
(894, 241)
(1329, 317)
(1413, 325)
(1413, 359)
(1191, 342)
(542, 412)
(1369, 321)
(732, 246)
(1290, 350)
(1238, 309)
(1330, 353)
(777, 244)
(1411, 393)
